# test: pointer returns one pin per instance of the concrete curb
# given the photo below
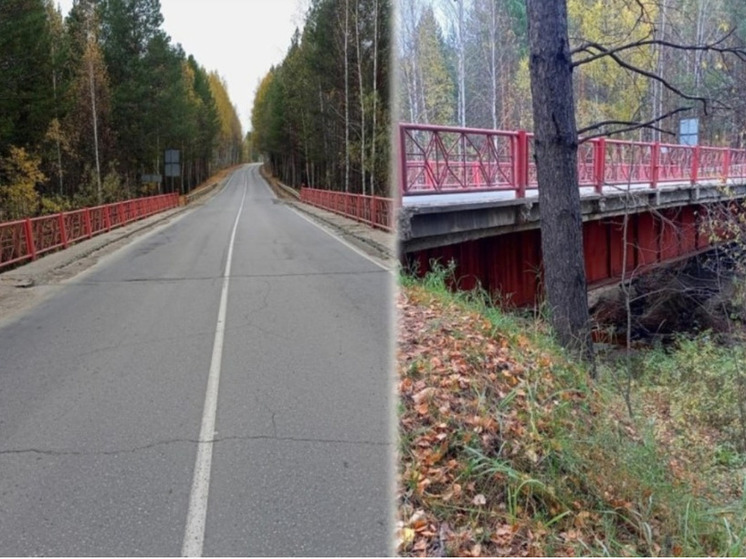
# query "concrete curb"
(63, 258)
(274, 183)
(386, 251)
(290, 191)
(330, 219)
(33, 270)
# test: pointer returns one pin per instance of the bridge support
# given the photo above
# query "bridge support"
(509, 265)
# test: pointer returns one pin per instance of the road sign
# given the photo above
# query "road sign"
(689, 131)
(173, 168)
(151, 178)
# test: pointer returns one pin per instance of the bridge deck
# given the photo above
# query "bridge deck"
(510, 197)
(431, 220)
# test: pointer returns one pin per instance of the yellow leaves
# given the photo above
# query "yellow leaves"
(455, 375)
(18, 196)
(230, 125)
(510, 378)
(407, 531)
(581, 519)
(605, 89)
(545, 362)
(405, 537)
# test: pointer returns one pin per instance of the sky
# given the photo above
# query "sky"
(240, 39)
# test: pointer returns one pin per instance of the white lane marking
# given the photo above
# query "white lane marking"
(341, 240)
(194, 535)
(257, 175)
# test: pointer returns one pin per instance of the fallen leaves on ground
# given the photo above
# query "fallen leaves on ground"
(461, 388)
(506, 449)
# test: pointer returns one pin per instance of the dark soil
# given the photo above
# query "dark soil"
(687, 297)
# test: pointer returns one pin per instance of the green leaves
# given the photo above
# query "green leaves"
(308, 106)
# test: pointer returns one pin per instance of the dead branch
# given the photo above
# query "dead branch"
(632, 68)
(629, 126)
(604, 51)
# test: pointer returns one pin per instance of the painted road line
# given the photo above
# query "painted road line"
(349, 245)
(194, 535)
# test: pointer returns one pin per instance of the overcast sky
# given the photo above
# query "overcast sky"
(240, 39)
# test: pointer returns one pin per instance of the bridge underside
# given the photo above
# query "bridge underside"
(509, 265)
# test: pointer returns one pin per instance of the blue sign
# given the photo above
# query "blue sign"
(689, 131)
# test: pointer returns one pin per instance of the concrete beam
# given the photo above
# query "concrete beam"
(422, 227)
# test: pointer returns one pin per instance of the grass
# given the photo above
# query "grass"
(508, 448)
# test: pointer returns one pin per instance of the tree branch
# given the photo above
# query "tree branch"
(588, 45)
(624, 64)
(629, 126)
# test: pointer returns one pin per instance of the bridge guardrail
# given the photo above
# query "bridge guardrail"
(375, 211)
(27, 239)
(444, 159)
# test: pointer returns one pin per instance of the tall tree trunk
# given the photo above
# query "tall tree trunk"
(99, 191)
(361, 88)
(375, 99)
(702, 9)
(58, 131)
(493, 62)
(347, 95)
(657, 86)
(410, 60)
(461, 65)
(556, 146)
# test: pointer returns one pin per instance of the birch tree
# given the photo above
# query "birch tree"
(456, 15)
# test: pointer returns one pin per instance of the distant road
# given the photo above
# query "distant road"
(273, 384)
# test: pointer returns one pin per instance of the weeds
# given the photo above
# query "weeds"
(509, 448)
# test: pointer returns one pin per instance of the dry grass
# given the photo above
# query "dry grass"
(507, 449)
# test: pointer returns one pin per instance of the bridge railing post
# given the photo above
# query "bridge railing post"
(520, 160)
(63, 229)
(655, 150)
(695, 165)
(599, 163)
(402, 161)
(726, 165)
(30, 244)
(88, 224)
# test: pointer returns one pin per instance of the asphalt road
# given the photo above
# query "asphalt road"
(107, 390)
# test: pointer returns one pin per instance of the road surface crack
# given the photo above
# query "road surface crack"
(312, 274)
(216, 440)
(164, 281)
(172, 280)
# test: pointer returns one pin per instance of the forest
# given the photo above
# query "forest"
(466, 63)
(89, 103)
(321, 117)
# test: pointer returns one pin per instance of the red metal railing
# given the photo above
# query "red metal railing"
(442, 159)
(373, 210)
(26, 239)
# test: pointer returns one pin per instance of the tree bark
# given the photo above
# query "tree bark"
(361, 94)
(347, 95)
(556, 146)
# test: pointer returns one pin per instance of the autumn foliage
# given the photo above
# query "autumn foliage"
(508, 449)
(89, 101)
(19, 173)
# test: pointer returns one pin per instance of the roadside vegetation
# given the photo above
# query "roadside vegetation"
(507, 447)
(90, 100)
